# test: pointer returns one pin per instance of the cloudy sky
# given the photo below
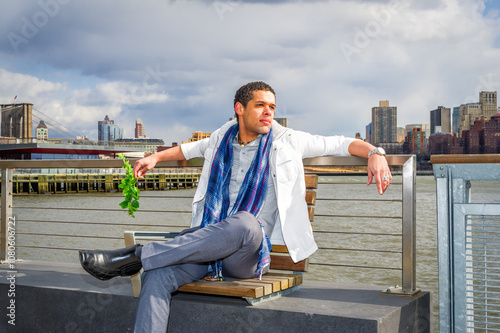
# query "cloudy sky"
(177, 64)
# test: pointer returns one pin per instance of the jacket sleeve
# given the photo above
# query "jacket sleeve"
(317, 145)
(195, 149)
(199, 148)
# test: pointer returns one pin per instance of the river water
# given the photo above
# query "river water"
(99, 215)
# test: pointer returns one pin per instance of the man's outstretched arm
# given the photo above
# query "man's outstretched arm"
(377, 164)
(145, 164)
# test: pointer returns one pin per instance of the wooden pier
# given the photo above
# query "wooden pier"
(86, 183)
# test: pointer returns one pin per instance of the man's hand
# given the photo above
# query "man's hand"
(144, 165)
(378, 169)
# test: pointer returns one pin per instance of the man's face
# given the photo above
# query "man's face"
(258, 115)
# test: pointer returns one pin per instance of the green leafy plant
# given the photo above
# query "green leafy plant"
(130, 190)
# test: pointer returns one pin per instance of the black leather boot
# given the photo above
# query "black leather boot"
(105, 265)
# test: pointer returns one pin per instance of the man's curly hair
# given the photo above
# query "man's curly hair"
(245, 93)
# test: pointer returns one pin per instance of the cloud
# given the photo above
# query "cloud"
(179, 62)
(78, 109)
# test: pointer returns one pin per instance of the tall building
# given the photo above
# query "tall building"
(445, 143)
(281, 121)
(426, 129)
(384, 123)
(440, 120)
(455, 121)
(17, 120)
(107, 131)
(42, 132)
(368, 130)
(401, 134)
(416, 141)
(483, 137)
(488, 101)
(140, 129)
(470, 112)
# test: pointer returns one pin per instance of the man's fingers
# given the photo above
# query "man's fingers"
(370, 178)
(380, 184)
(139, 170)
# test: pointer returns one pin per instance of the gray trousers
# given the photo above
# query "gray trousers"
(169, 265)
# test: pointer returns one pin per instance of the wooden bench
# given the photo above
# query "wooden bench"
(284, 276)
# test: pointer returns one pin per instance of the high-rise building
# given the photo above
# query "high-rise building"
(368, 130)
(469, 113)
(488, 101)
(416, 141)
(445, 143)
(107, 131)
(140, 129)
(384, 123)
(440, 120)
(455, 121)
(281, 121)
(401, 134)
(42, 132)
(483, 137)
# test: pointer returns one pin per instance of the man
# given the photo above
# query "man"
(251, 189)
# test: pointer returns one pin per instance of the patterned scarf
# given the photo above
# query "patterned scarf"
(251, 195)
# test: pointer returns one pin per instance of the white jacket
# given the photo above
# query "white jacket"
(287, 172)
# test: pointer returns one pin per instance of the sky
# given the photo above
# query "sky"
(177, 64)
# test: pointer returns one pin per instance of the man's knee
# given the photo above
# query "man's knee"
(247, 224)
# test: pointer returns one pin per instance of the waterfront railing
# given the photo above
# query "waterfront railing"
(469, 244)
(346, 219)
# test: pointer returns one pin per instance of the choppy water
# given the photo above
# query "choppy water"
(49, 222)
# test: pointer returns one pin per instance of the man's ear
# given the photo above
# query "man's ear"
(238, 108)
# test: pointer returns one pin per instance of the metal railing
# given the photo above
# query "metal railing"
(89, 217)
(469, 244)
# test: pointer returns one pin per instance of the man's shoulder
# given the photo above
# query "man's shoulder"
(225, 127)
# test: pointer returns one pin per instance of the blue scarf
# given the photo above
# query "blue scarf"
(250, 196)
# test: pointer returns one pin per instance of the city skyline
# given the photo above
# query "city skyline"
(177, 64)
(139, 126)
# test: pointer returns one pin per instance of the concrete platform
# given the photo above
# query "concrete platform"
(61, 297)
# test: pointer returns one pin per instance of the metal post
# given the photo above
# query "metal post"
(444, 230)
(409, 244)
(6, 211)
(409, 226)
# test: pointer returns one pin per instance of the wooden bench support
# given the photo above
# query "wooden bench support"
(254, 301)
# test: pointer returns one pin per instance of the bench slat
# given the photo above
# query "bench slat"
(298, 278)
(311, 181)
(251, 288)
(279, 249)
(225, 288)
(311, 197)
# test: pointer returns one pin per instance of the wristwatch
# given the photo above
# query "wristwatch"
(377, 150)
